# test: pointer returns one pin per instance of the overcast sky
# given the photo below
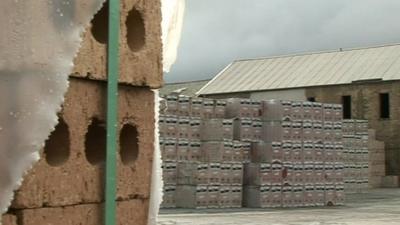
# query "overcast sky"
(216, 32)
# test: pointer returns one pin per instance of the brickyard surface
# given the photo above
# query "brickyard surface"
(378, 207)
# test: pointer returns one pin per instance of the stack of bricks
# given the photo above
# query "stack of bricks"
(67, 185)
(202, 164)
(292, 151)
(356, 141)
(297, 161)
(376, 162)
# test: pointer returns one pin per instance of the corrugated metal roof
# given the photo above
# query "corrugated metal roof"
(306, 70)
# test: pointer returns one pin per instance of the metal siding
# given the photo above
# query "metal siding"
(365, 73)
(279, 76)
(272, 64)
(393, 72)
(369, 70)
(344, 65)
(317, 64)
(354, 69)
(386, 62)
(314, 69)
(266, 79)
(296, 78)
(263, 65)
(229, 79)
(328, 66)
(289, 74)
(245, 79)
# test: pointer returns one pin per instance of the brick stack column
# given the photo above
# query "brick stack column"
(67, 185)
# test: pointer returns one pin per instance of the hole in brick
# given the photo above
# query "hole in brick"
(57, 146)
(129, 148)
(100, 25)
(95, 142)
(135, 30)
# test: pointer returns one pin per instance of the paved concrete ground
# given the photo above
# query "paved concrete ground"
(379, 207)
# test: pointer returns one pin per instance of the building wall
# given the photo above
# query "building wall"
(366, 105)
(293, 94)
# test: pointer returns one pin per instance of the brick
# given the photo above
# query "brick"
(376, 145)
(170, 173)
(192, 196)
(266, 152)
(276, 110)
(365, 101)
(216, 130)
(128, 212)
(390, 181)
(8, 219)
(257, 196)
(375, 182)
(213, 196)
(140, 50)
(77, 180)
(193, 173)
(236, 196)
(277, 131)
(372, 134)
(225, 196)
(169, 197)
(257, 174)
(237, 108)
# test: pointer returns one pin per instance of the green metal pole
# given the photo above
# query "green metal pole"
(112, 112)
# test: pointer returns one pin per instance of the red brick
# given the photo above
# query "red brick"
(9, 219)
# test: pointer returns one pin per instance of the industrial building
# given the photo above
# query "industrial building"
(365, 80)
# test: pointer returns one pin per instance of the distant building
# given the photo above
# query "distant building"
(184, 88)
(366, 81)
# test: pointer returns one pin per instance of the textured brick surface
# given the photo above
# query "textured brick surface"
(8, 219)
(133, 212)
(78, 181)
(141, 67)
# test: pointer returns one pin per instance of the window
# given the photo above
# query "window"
(311, 99)
(346, 101)
(384, 105)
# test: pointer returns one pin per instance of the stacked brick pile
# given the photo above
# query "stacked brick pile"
(376, 163)
(67, 185)
(356, 141)
(298, 159)
(202, 164)
(292, 151)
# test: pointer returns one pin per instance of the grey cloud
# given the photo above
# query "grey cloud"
(217, 32)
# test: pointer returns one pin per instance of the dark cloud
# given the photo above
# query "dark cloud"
(216, 32)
